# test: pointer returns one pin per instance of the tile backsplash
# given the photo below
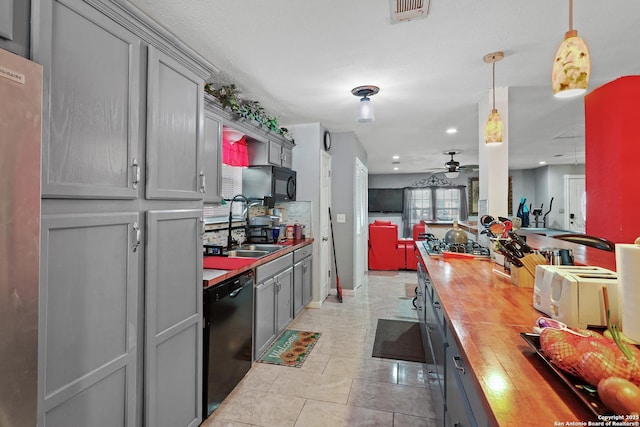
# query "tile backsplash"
(290, 212)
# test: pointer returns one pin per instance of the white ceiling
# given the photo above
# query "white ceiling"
(300, 60)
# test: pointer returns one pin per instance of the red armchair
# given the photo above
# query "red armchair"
(383, 246)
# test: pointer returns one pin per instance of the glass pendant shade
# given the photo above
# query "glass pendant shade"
(493, 128)
(572, 66)
(451, 175)
(365, 111)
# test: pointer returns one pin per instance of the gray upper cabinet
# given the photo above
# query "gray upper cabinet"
(173, 306)
(212, 187)
(175, 130)
(286, 157)
(91, 102)
(88, 323)
(270, 153)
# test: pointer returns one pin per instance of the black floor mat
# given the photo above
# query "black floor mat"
(398, 339)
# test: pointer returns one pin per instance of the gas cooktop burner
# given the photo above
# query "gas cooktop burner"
(435, 247)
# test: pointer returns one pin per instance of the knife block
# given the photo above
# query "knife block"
(521, 277)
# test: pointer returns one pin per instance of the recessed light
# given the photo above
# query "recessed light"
(452, 130)
(542, 162)
(396, 168)
(395, 157)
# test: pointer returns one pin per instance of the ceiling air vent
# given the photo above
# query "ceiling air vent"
(407, 10)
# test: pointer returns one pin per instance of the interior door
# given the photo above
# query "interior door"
(575, 203)
(360, 223)
(324, 250)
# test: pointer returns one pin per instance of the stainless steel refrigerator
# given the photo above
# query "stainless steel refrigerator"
(20, 141)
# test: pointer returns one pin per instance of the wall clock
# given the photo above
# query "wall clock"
(327, 141)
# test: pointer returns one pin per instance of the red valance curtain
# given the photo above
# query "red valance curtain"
(235, 154)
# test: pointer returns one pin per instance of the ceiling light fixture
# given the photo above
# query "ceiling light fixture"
(451, 175)
(365, 109)
(395, 157)
(572, 66)
(493, 127)
(452, 131)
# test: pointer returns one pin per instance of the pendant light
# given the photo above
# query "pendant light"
(365, 109)
(493, 127)
(572, 66)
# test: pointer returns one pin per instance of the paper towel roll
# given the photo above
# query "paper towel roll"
(628, 269)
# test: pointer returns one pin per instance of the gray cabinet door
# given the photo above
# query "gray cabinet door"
(173, 304)
(287, 157)
(284, 310)
(265, 313)
(298, 280)
(212, 157)
(91, 101)
(307, 281)
(275, 153)
(175, 129)
(88, 320)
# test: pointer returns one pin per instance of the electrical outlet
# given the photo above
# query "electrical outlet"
(342, 218)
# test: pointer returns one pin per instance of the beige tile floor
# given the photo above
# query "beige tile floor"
(339, 384)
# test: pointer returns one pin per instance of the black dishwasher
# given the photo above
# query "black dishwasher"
(228, 322)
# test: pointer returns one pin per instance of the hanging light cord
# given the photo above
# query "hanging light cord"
(570, 15)
(493, 91)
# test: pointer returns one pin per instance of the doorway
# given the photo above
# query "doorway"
(324, 249)
(575, 210)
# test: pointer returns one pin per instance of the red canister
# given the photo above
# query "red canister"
(290, 232)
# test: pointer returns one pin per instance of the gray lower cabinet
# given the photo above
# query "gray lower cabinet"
(284, 303)
(302, 279)
(265, 313)
(212, 159)
(463, 403)
(173, 307)
(453, 394)
(273, 309)
(88, 320)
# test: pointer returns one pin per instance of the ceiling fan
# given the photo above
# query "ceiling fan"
(452, 168)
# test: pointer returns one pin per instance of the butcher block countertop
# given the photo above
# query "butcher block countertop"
(212, 277)
(486, 313)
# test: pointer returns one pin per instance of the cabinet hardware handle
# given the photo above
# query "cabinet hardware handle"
(325, 238)
(436, 304)
(136, 228)
(457, 360)
(136, 174)
(203, 185)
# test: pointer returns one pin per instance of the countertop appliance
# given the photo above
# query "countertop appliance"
(276, 183)
(20, 147)
(227, 338)
(573, 294)
(435, 246)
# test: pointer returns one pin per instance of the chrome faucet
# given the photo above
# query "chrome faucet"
(246, 217)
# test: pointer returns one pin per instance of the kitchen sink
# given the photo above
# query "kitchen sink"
(247, 253)
(260, 247)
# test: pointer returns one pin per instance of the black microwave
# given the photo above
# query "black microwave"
(276, 183)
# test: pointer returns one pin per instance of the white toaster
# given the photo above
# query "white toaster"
(573, 294)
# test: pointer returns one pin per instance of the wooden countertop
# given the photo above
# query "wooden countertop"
(213, 277)
(486, 313)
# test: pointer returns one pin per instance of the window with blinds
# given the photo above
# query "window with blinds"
(431, 204)
(231, 185)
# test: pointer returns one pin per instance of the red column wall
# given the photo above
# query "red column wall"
(612, 122)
